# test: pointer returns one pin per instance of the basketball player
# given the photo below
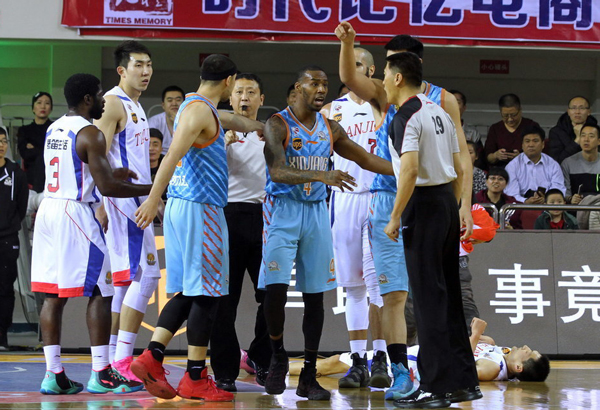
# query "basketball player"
(494, 363)
(247, 177)
(196, 236)
(349, 228)
(133, 255)
(299, 141)
(390, 264)
(70, 257)
(429, 188)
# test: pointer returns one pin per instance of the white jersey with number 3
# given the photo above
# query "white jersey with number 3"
(359, 123)
(67, 176)
(130, 147)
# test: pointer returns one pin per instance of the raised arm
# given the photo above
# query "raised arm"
(370, 90)
(192, 127)
(239, 123)
(113, 119)
(275, 135)
(348, 149)
(91, 148)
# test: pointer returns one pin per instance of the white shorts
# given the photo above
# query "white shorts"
(70, 256)
(349, 228)
(130, 247)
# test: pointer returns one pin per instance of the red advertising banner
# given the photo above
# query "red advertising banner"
(547, 22)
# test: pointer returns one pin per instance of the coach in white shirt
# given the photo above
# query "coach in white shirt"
(427, 199)
(247, 179)
(172, 97)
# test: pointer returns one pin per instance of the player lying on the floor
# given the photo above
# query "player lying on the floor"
(493, 362)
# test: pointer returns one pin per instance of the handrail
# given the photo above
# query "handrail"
(544, 207)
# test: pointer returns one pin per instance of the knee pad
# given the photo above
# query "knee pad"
(357, 308)
(135, 299)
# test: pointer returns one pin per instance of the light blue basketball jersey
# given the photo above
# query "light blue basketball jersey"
(307, 150)
(388, 182)
(201, 175)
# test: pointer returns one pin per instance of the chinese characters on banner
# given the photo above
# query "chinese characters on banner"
(520, 293)
(567, 22)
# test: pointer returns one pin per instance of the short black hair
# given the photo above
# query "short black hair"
(409, 65)
(311, 67)
(125, 49)
(155, 133)
(80, 85)
(341, 87)
(462, 95)
(509, 100)
(39, 94)
(535, 370)
(589, 123)
(583, 98)
(407, 43)
(251, 77)
(554, 191)
(216, 68)
(3, 131)
(169, 89)
(498, 171)
(291, 88)
(533, 129)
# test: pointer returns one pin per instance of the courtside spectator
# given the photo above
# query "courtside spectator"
(555, 219)
(582, 170)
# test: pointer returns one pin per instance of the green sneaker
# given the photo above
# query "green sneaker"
(59, 383)
(108, 380)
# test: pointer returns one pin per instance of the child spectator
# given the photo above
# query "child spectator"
(555, 219)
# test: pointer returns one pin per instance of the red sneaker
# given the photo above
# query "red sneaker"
(151, 372)
(203, 389)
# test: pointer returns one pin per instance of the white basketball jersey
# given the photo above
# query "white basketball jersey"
(359, 123)
(130, 147)
(495, 354)
(67, 176)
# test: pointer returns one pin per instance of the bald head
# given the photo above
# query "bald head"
(365, 64)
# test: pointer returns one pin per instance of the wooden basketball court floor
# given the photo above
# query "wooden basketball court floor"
(570, 385)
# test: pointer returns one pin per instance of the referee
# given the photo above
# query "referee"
(427, 199)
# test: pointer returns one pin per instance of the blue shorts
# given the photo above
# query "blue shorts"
(297, 230)
(196, 248)
(390, 264)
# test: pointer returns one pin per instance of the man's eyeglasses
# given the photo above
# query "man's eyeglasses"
(579, 108)
(512, 116)
(494, 178)
(4, 142)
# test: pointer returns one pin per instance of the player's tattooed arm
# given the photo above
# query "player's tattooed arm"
(275, 136)
(91, 148)
(348, 149)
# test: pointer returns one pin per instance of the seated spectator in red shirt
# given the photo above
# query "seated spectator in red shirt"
(564, 136)
(555, 219)
(494, 194)
(503, 142)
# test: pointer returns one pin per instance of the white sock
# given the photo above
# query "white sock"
(125, 345)
(99, 357)
(379, 345)
(112, 348)
(358, 346)
(52, 354)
